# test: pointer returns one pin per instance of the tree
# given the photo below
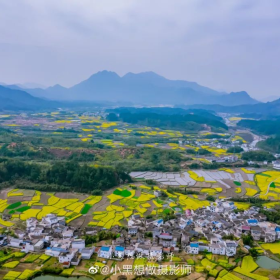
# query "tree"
(148, 234)
(112, 117)
(257, 156)
(210, 198)
(228, 237)
(96, 192)
(253, 252)
(247, 239)
(203, 152)
(235, 150)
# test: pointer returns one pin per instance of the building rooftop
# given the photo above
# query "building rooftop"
(194, 245)
(119, 248)
(105, 248)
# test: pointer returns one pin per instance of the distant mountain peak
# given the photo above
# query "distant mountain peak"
(146, 73)
(105, 73)
(57, 86)
(240, 93)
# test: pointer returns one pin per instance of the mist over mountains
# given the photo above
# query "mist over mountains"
(146, 89)
(143, 89)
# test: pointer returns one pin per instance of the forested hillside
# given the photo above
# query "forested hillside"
(266, 127)
(68, 176)
(186, 120)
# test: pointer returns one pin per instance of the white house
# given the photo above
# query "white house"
(49, 220)
(17, 243)
(28, 247)
(129, 251)
(119, 252)
(3, 240)
(143, 250)
(87, 253)
(105, 252)
(276, 164)
(156, 252)
(132, 230)
(76, 259)
(31, 223)
(165, 239)
(202, 247)
(193, 248)
(230, 248)
(36, 231)
(67, 256)
(57, 249)
(217, 249)
(78, 244)
(67, 234)
(39, 245)
(229, 205)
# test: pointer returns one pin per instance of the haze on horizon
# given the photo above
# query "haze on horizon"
(228, 45)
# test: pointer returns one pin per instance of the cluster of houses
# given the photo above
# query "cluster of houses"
(52, 236)
(206, 229)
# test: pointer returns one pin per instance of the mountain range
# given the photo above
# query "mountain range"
(146, 89)
(17, 99)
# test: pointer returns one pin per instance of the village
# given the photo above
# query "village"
(216, 229)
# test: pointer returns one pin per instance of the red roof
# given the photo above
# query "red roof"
(246, 227)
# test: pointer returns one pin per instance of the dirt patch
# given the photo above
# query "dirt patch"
(126, 152)
(13, 199)
(22, 266)
(78, 223)
(246, 136)
(101, 205)
(69, 195)
(66, 153)
(44, 198)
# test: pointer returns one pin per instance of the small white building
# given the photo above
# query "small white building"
(119, 252)
(67, 234)
(217, 249)
(193, 248)
(87, 253)
(78, 244)
(156, 252)
(230, 248)
(276, 164)
(15, 242)
(49, 220)
(31, 223)
(129, 251)
(36, 231)
(132, 230)
(39, 245)
(165, 239)
(3, 240)
(143, 250)
(28, 247)
(105, 252)
(67, 256)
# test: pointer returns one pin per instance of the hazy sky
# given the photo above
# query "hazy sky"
(228, 45)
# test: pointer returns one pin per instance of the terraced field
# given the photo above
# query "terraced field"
(117, 205)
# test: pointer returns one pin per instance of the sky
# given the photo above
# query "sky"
(230, 45)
